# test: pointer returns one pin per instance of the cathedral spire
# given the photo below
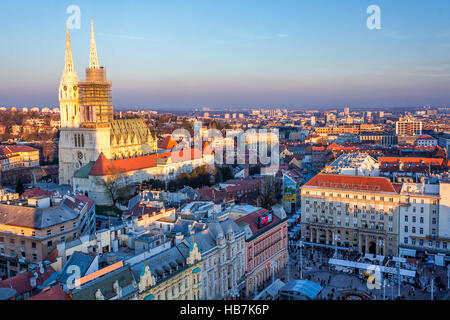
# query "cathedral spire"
(93, 59)
(69, 69)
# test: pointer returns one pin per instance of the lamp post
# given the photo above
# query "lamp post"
(397, 264)
(300, 243)
(336, 239)
(448, 276)
(273, 265)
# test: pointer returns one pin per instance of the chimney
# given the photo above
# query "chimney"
(33, 280)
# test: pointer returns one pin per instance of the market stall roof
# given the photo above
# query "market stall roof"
(365, 266)
(305, 287)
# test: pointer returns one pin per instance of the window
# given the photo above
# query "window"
(421, 230)
(49, 232)
(421, 242)
(2, 239)
(405, 240)
(406, 228)
(421, 219)
(34, 256)
(414, 219)
(50, 244)
(444, 245)
(413, 229)
(406, 218)
(62, 228)
(33, 245)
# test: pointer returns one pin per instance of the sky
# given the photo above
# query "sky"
(233, 53)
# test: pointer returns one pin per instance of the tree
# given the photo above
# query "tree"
(114, 184)
(223, 173)
(270, 193)
(20, 189)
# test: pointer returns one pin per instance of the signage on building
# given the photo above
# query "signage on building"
(265, 219)
(289, 189)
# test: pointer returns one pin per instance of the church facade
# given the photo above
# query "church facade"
(88, 128)
(95, 149)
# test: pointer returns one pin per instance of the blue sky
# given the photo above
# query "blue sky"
(217, 53)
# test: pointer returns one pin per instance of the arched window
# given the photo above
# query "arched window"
(75, 140)
(82, 140)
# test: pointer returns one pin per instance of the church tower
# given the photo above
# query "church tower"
(68, 91)
(95, 92)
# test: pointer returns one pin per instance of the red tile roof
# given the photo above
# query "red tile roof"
(167, 144)
(8, 150)
(54, 293)
(104, 166)
(252, 220)
(37, 192)
(21, 283)
(352, 183)
(432, 161)
(337, 147)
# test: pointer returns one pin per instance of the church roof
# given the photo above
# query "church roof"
(103, 166)
(167, 144)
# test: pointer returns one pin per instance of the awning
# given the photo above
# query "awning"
(407, 252)
(366, 266)
(304, 287)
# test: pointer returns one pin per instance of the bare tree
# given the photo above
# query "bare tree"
(270, 193)
(114, 184)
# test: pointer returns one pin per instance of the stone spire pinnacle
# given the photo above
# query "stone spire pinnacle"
(69, 69)
(93, 59)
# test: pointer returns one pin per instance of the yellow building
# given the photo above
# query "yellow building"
(355, 212)
(13, 157)
(174, 274)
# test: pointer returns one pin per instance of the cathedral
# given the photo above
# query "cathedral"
(95, 149)
(88, 128)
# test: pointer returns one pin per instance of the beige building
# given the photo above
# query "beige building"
(29, 232)
(359, 213)
(15, 156)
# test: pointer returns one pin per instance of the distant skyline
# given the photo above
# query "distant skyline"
(169, 54)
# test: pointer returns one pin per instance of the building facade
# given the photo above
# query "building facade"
(174, 274)
(266, 246)
(16, 157)
(358, 213)
(222, 247)
(28, 233)
(87, 125)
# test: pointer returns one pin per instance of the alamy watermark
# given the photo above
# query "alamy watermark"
(374, 20)
(74, 20)
(254, 146)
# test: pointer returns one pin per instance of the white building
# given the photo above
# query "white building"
(356, 164)
(424, 219)
(426, 141)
